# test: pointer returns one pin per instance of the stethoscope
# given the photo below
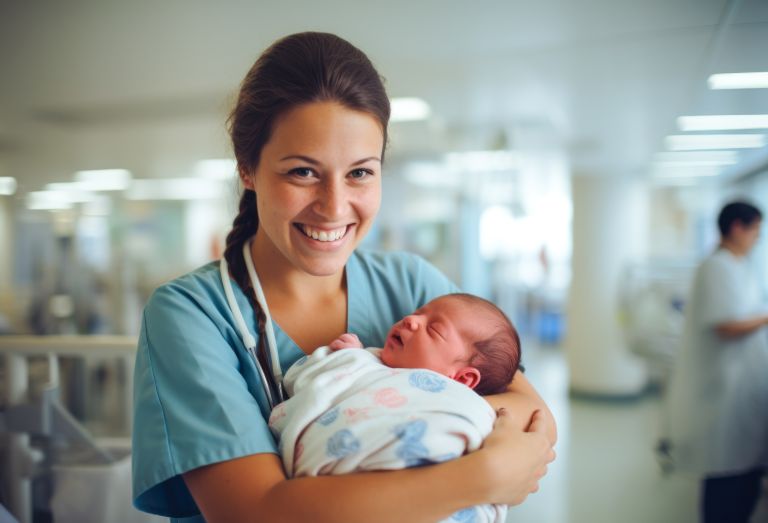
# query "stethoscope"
(278, 395)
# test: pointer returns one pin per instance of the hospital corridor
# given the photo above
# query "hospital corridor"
(266, 241)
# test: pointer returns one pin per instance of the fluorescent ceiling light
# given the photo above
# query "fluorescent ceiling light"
(408, 109)
(723, 122)
(174, 189)
(7, 185)
(74, 192)
(483, 161)
(691, 142)
(47, 201)
(216, 169)
(684, 171)
(696, 157)
(104, 179)
(739, 81)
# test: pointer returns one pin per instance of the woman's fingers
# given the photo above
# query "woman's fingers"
(520, 458)
(538, 422)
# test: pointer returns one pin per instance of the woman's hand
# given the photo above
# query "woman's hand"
(521, 401)
(517, 460)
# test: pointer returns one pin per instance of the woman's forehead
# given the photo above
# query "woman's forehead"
(319, 127)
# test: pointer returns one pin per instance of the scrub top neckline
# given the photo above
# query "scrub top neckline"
(357, 317)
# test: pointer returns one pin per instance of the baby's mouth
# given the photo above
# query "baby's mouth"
(322, 235)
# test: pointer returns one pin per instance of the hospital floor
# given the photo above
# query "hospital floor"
(605, 471)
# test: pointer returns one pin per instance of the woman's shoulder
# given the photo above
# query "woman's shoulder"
(401, 272)
(201, 285)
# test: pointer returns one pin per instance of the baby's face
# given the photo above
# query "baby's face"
(436, 337)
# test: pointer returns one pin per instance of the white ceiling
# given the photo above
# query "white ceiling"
(146, 85)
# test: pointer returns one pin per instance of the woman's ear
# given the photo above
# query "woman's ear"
(469, 376)
(247, 179)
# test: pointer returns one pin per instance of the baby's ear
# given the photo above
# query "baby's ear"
(469, 376)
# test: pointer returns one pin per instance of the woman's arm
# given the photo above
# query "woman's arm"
(505, 470)
(521, 400)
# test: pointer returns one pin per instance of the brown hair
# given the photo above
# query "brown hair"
(296, 70)
(497, 357)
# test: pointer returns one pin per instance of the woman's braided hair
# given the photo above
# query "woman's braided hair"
(296, 70)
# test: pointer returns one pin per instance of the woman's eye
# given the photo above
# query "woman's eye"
(301, 172)
(359, 174)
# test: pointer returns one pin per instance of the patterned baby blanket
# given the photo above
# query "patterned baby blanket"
(348, 412)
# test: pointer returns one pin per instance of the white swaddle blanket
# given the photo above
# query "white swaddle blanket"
(348, 412)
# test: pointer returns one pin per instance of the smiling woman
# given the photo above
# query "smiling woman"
(323, 164)
(309, 131)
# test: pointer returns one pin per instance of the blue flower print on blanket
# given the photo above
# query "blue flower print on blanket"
(342, 443)
(468, 515)
(328, 417)
(411, 449)
(427, 381)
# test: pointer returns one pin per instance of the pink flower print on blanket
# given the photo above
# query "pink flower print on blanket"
(390, 398)
(353, 415)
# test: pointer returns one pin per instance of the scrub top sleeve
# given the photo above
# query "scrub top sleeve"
(193, 406)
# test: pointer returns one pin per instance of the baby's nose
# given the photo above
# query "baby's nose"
(411, 322)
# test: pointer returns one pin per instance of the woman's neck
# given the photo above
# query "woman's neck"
(284, 282)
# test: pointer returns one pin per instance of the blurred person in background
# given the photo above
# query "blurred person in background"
(718, 396)
(309, 131)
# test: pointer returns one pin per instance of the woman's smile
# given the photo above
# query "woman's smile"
(322, 234)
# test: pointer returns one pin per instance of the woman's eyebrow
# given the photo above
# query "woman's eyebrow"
(312, 161)
(300, 157)
(366, 160)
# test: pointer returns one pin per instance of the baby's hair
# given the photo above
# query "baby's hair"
(497, 356)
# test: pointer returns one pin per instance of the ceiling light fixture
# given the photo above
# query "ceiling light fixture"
(216, 169)
(7, 185)
(739, 81)
(723, 122)
(48, 201)
(684, 171)
(175, 189)
(697, 142)
(408, 109)
(688, 157)
(74, 192)
(104, 179)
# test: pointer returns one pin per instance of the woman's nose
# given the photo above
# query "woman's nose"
(332, 200)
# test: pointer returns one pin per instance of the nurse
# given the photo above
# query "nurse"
(719, 391)
(309, 132)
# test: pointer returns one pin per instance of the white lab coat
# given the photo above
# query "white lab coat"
(718, 396)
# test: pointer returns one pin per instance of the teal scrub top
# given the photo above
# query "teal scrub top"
(198, 398)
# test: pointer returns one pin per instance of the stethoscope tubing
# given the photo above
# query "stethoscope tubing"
(248, 339)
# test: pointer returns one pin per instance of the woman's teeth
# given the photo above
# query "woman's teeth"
(323, 236)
